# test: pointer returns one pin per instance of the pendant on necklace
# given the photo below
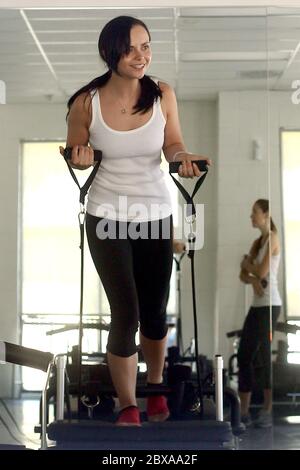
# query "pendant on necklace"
(123, 110)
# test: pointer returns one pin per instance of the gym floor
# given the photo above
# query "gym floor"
(283, 435)
(18, 418)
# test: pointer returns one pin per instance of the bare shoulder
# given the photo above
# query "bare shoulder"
(166, 89)
(168, 101)
(81, 107)
(164, 86)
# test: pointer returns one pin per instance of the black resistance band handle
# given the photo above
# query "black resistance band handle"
(201, 164)
(68, 154)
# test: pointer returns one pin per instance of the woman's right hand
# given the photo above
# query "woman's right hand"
(188, 169)
(257, 287)
(82, 156)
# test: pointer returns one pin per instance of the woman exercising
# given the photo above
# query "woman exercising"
(131, 118)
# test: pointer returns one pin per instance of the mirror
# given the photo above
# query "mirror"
(231, 69)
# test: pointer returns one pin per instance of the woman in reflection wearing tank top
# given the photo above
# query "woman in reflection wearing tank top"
(259, 269)
(131, 118)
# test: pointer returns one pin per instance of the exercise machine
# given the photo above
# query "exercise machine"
(94, 434)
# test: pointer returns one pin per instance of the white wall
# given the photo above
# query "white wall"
(17, 122)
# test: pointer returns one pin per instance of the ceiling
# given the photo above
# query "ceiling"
(46, 54)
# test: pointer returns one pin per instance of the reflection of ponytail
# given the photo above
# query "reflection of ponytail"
(273, 226)
(93, 85)
(263, 204)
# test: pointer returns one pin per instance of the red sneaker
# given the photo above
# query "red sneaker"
(129, 416)
(157, 408)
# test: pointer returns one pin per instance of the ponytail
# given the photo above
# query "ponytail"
(98, 82)
(273, 226)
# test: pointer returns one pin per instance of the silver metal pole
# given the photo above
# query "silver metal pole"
(60, 361)
(44, 443)
(219, 387)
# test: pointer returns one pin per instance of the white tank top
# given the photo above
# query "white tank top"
(129, 184)
(271, 293)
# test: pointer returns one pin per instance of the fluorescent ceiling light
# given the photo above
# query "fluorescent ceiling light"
(232, 56)
(217, 12)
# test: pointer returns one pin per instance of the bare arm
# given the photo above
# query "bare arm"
(244, 274)
(248, 278)
(245, 277)
(261, 270)
(78, 133)
(173, 140)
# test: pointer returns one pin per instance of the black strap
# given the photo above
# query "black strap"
(83, 189)
(191, 253)
(81, 217)
(190, 208)
(191, 211)
(178, 288)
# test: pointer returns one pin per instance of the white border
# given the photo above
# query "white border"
(53, 4)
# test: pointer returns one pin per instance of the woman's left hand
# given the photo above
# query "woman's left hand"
(188, 169)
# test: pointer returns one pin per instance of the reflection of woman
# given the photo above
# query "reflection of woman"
(131, 118)
(259, 269)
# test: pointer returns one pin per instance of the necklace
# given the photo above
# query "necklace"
(123, 108)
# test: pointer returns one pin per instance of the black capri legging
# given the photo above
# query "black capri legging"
(135, 274)
(256, 337)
